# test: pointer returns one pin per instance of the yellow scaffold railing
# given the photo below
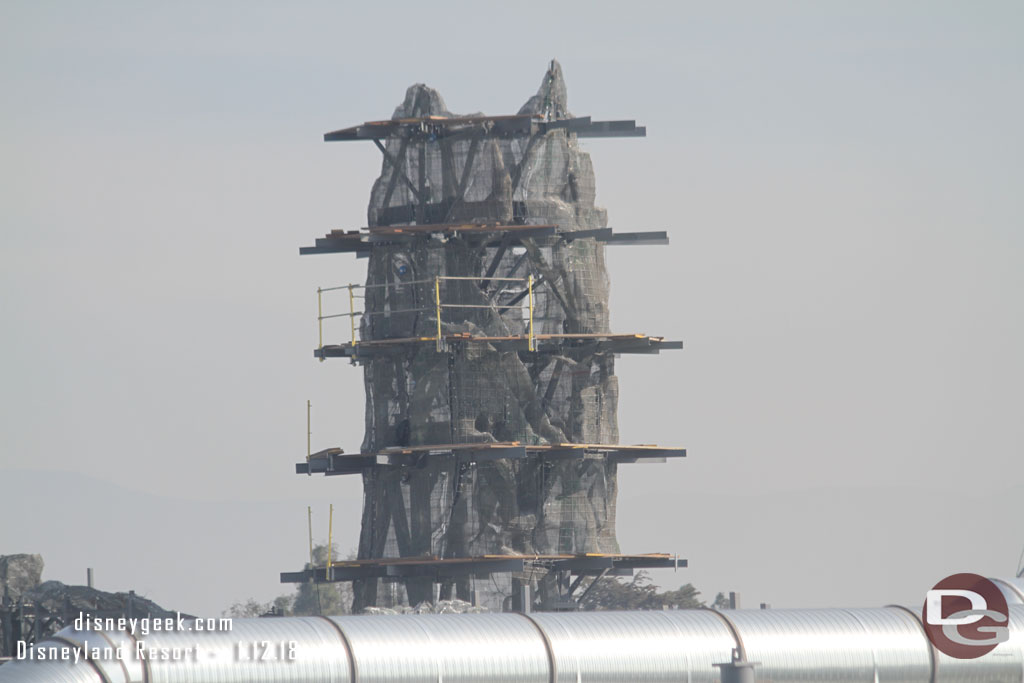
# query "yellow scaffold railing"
(436, 308)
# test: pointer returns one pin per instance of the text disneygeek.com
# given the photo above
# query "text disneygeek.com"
(146, 625)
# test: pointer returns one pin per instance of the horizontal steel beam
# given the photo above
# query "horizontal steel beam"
(433, 128)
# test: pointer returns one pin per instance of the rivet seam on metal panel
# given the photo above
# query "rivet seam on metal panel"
(90, 662)
(346, 645)
(932, 657)
(143, 662)
(552, 666)
(682, 638)
(124, 667)
(867, 632)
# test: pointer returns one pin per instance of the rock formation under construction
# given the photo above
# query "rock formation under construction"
(483, 332)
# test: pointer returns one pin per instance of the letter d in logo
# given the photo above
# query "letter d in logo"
(933, 611)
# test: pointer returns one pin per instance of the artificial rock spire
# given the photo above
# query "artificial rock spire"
(481, 394)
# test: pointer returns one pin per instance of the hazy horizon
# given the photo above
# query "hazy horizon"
(841, 184)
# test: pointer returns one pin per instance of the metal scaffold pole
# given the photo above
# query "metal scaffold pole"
(320, 321)
(437, 306)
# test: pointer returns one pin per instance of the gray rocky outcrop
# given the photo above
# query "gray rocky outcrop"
(476, 393)
(19, 574)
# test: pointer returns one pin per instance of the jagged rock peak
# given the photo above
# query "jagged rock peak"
(421, 100)
(552, 99)
(19, 574)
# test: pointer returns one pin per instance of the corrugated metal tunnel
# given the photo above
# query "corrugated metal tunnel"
(884, 644)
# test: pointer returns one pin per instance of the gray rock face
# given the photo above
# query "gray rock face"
(19, 574)
(475, 393)
(42, 609)
(56, 597)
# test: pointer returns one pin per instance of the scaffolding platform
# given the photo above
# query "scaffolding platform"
(466, 127)
(362, 241)
(543, 343)
(483, 328)
(334, 461)
(589, 564)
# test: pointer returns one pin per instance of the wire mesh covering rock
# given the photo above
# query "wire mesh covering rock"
(473, 392)
(18, 574)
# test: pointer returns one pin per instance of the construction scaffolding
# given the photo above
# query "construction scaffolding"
(483, 334)
(501, 301)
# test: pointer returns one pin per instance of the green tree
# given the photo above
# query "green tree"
(638, 594)
(247, 609)
(328, 599)
(281, 606)
(309, 599)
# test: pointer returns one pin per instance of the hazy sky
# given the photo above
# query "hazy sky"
(842, 183)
